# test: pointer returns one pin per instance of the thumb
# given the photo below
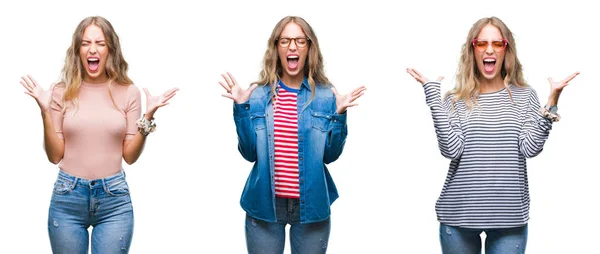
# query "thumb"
(440, 78)
(146, 92)
(252, 87)
(551, 81)
(334, 91)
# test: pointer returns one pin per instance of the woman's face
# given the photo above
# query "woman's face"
(489, 48)
(93, 54)
(292, 47)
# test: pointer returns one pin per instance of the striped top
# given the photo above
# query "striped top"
(486, 185)
(285, 119)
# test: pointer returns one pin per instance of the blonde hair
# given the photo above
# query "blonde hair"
(73, 71)
(313, 67)
(468, 87)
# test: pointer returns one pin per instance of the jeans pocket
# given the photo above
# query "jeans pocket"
(117, 188)
(62, 186)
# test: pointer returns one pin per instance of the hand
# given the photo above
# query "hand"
(345, 101)
(234, 91)
(155, 102)
(557, 87)
(419, 77)
(43, 98)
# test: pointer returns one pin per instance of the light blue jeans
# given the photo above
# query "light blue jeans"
(269, 237)
(78, 204)
(498, 241)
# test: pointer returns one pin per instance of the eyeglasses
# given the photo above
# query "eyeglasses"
(300, 42)
(481, 45)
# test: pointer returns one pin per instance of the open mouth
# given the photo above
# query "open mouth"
(489, 64)
(292, 62)
(93, 63)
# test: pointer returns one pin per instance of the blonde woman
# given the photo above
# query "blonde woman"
(488, 125)
(91, 123)
(290, 124)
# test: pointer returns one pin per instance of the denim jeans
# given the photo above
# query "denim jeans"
(269, 237)
(78, 204)
(498, 241)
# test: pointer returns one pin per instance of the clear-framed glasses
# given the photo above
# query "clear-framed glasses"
(482, 45)
(301, 42)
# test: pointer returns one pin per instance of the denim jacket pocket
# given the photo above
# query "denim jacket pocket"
(320, 120)
(259, 121)
(62, 186)
(117, 188)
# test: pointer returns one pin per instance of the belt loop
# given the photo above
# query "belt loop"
(74, 182)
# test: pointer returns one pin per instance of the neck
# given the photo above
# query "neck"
(97, 80)
(292, 81)
(491, 85)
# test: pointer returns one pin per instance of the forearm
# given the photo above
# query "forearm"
(132, 149)
(336, 138)
(53, 145)
(448, 132)
(245, 131)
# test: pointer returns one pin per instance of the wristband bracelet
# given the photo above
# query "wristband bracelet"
(145, 127)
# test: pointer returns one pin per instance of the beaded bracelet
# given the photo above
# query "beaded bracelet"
(146, 127)
(554, 117)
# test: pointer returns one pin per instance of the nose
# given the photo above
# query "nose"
(293, 45)
(93, 49)
(489, 49)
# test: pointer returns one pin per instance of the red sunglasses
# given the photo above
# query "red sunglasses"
(481, 45)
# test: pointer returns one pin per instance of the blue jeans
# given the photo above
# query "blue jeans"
(269, 237)
(498, 241)
(78, 204)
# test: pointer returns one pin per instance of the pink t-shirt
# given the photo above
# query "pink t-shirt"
(94, 130)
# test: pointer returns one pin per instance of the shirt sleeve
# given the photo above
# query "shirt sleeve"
(133, 110)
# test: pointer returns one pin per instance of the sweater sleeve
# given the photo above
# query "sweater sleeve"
(535, 130)
(451, 140)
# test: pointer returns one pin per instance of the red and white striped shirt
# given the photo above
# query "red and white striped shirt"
(286, 143)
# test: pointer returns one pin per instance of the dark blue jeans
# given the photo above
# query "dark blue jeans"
(498, 241)
(265, 237)
(78, 204)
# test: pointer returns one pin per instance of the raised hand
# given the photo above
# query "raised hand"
(155, 102)
(419, 77)
(234, 91)
(41, 96)
(347, 100)
(556, 88)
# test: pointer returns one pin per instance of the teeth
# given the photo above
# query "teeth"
(489, 60)
(293, 57)
(93, 60)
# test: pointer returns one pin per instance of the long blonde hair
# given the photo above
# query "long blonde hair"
(313, 67)
(73, 71)
(468, 87)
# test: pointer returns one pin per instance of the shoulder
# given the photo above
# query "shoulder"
(324, 91)
(260, 92)
(523, 91)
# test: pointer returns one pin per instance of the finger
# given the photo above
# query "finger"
(226, 87)
(226, 95)
(356, 96)
(27, 82)
(147, 93)
(440, 78)
(29, 89)
(232, 79)
(358, 90)
(167, 98)
(252, 87)
(32, 81)
(30, 94)
(171, 91)
(412, 72)
(571, 77)
(351, 105)
(229, 82)
(551, 81)
(335, 92)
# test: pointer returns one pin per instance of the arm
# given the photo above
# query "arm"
(50, 103)
(245, 131)
(451, 140)
(134, 140)
(535, 130)
(54, 144)
(336, 138)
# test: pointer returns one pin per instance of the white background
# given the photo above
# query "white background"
(187, 184)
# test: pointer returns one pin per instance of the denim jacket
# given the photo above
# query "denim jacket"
(321, 138)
